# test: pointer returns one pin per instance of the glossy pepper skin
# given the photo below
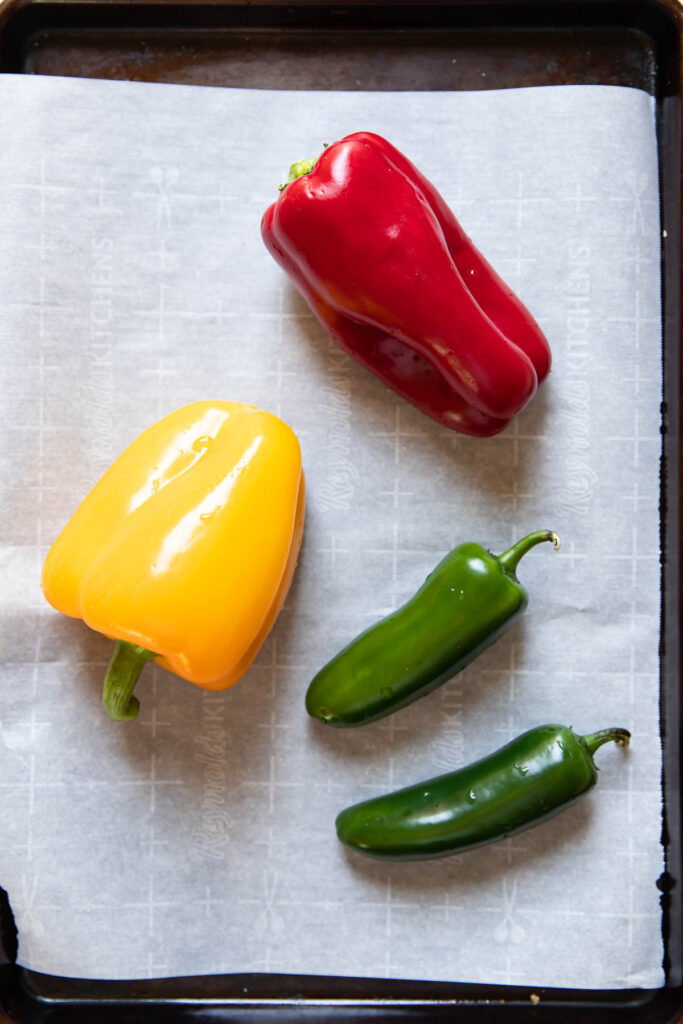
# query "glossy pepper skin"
(525, 782)
(184, 551)
(464, 605)
(391, 275)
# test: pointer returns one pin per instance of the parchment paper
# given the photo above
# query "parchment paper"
(201, 837)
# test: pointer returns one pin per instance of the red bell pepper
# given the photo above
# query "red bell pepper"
(392, 277)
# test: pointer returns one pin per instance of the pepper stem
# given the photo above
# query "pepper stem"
(125, 666)
(510, 558)
(594, 740)
(299, 168)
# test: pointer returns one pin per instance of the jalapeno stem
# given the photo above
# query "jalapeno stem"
(510, 558)
(596, 739)
(125, 666)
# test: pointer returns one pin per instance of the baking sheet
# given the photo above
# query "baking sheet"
(200, 838)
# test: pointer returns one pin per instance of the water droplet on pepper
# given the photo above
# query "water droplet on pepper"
(204, 516)
(202, 443)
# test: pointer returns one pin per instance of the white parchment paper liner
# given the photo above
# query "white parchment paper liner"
(200, 838)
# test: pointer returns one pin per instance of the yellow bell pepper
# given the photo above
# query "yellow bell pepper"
(185, 549)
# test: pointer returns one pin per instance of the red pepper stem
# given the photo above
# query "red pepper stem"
(299, 168)
(125, 666)
(596, 739)
(510, 558)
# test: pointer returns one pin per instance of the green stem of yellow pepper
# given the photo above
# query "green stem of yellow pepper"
(125, 666)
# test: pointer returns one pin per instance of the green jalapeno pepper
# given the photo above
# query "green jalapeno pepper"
(464, 605)
(520, 785)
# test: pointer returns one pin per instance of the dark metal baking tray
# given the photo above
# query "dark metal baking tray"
(377, 44)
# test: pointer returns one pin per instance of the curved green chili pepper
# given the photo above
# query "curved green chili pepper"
(464, 605)
(520, 785)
